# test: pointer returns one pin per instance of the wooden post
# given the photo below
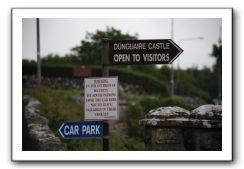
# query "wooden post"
(105, 73)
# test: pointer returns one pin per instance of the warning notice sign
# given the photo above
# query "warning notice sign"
(101, 98)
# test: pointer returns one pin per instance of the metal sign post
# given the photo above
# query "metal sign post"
(38, 73)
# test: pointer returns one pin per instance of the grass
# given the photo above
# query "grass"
(59, 105)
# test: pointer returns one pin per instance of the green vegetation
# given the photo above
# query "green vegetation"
(89, 51)
(150, 103)
(60, 105)
(148, 82)
(56, 59)
(120, 143)
(48, 70)
(190, 82)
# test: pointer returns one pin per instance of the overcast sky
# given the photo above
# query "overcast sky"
(58, 36)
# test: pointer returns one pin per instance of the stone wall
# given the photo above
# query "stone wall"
(37, 135)
(177, 129)
(54, 82)
(75, 83)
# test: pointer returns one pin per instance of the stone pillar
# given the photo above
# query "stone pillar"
(163, 129)
(177, 129)
(206, 122)
(37, 131)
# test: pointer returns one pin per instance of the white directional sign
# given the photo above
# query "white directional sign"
(78, 130)
(101, 98)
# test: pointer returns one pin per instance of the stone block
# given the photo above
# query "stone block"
(177, 129)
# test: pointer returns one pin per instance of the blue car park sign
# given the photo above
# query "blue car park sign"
(78, 130)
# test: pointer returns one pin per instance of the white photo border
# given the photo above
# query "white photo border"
(16, 46)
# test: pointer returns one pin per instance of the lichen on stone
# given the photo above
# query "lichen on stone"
(208, 112)
(38, 127)
(168, 113)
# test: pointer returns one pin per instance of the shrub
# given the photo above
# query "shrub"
(125, 143)
(57, 70)
(48, 70)
(28, 68)
(133, 115)
(149, 83)
(149, 103)
(176, 101)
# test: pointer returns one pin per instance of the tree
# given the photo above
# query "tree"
(90, 49)
(217, 54)
(217, 68)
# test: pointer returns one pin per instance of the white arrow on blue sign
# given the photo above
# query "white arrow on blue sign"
(77, 130)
